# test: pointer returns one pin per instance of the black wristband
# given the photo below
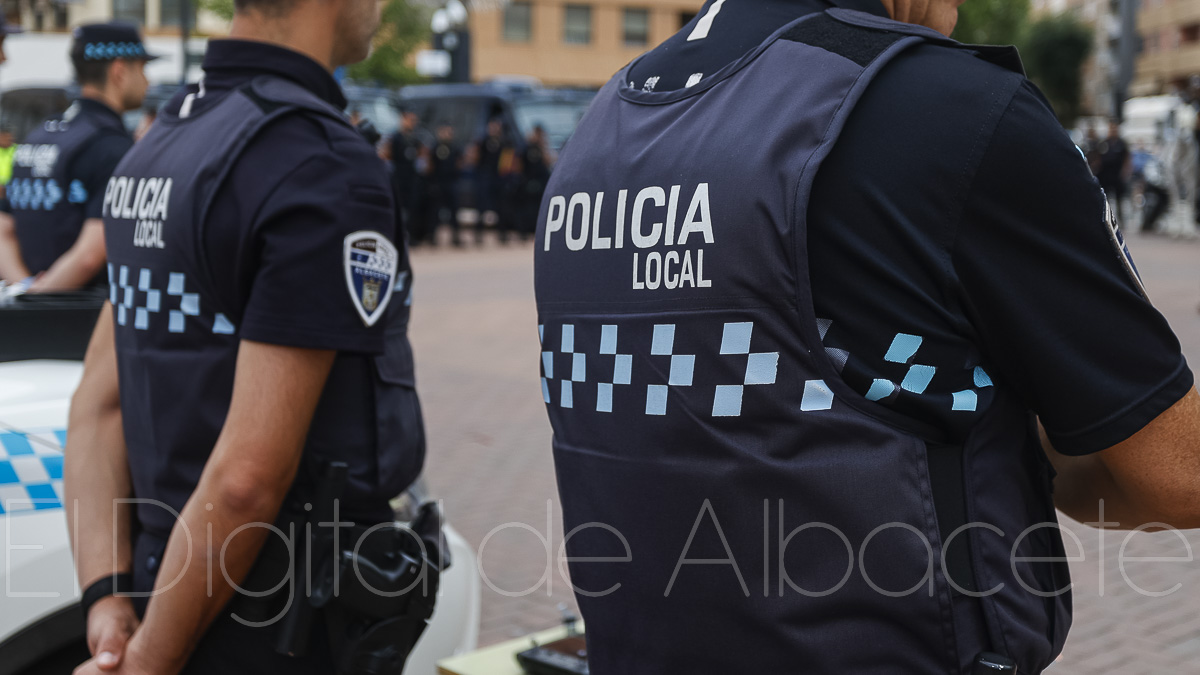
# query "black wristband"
(121, 582)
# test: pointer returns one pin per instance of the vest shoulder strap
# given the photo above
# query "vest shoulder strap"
(862, 37)
(273, 93)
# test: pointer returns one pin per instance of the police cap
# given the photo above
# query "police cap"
(108, 42)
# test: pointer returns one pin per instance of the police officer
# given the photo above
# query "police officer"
(62, 167)
(535, 172)
(253, 368)
(494, 153)
(444, 162)
(12, 268)
(406, 150)
(799, 306)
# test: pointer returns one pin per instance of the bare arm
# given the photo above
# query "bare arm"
(95, 466)
(12, 266)
(1152, 477)
(79, 264)
(96, 474)
(250, 472)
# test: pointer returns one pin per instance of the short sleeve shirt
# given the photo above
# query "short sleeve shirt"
(286, 229)
(955, 211)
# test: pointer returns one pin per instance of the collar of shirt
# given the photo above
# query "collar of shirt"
(91, 106)
(230, 63)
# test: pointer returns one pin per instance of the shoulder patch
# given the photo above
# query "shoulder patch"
(370, 261)
(1122, 250)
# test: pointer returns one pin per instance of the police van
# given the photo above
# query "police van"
(42, 342)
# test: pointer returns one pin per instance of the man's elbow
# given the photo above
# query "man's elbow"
(1177, 507)
(249, 497)
(91, 258)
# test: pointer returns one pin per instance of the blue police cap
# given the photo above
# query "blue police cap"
(108, 42)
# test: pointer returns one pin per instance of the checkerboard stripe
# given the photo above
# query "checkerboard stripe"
(31, 471)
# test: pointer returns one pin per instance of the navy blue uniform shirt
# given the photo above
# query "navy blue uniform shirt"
(267, 261)
(95, 166)
(955, 206)
(299, 216)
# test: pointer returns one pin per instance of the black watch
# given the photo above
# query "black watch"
(121, 582)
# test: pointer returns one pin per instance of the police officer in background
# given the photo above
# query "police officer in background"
(494, 155)
(253, 367)
(62, 167)
(535, 173)
(444, 162)
(406, 149)
(801, 316)
(12, 268)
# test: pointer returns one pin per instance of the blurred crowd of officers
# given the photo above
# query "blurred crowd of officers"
(1151, 190)
(492, 182)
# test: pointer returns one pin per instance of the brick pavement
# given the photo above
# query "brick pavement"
(474, 332)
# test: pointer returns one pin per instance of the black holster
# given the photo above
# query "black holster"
(376, 590)
(379, 594)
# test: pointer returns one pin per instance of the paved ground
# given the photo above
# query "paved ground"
(474, 331)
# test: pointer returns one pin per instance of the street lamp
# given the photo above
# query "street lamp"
(450, 35)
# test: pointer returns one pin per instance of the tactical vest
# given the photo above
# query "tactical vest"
(177, 336)
(48, 203)
(730, 504)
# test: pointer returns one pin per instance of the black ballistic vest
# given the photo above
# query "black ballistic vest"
(177, 335)
(730, 504)
(47, 203)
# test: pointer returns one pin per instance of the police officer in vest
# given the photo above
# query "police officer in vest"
(12, 268)
(62, 167)
(253, 367)
(809, 279)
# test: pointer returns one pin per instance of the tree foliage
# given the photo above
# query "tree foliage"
(1054, 55)
(404, 27)
(992, 22)
(222, 8)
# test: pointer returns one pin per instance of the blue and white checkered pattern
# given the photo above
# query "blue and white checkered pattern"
(31, 471)
(578, 366)
(683, 369)
(761, 368)
(107, 51)
(622, 368)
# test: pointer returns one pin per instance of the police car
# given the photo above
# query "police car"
(42, 341)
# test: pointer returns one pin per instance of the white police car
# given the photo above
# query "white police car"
(42, 340)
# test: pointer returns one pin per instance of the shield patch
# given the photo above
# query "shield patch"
(1123, 255)
(370, 261)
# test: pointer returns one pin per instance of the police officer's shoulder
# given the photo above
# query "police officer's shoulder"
(310, 121)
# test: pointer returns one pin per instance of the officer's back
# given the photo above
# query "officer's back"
(791, 387)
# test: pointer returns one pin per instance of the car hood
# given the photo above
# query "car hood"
(36, 394)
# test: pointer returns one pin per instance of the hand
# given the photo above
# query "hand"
(130, 662)
(111, 622)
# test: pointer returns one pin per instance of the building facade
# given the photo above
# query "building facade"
(1170, 31)
(156, 17)
(577, 43)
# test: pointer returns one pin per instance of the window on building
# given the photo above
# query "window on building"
(518, 22)
(685, 18)
(1189, 34)
(130, 10)
(637, 27)
(169, 15)
(577, 26)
